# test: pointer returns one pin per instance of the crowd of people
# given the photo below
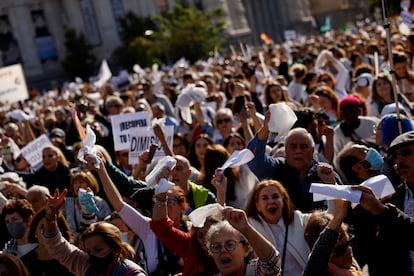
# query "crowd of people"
(96, 214)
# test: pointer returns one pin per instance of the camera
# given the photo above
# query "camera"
(83, 107)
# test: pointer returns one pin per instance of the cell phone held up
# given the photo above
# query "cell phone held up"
(238, 104)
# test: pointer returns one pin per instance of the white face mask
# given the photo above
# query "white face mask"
(125, 237)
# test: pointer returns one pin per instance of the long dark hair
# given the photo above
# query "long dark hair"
(215, 157)
(192, 156)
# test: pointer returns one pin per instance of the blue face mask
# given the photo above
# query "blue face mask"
(374, 159)
(125, 237)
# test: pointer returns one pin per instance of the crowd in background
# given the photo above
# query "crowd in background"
(100, 217)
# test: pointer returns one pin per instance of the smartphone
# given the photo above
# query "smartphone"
(152, 150)
(238, 104)
(211, 98)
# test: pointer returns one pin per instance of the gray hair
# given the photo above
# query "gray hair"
(42, 190)
(302, 131)
(223, 225)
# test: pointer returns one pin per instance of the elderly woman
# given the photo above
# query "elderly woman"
(229, 244)
(102, 249)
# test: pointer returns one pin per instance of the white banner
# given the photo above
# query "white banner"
(32, 152)
(123, 123)
(12, 84)
(143, 137)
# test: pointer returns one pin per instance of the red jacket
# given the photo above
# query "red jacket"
(181, 243)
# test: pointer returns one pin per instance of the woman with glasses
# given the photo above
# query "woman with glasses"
(331, 248)
(231, 243)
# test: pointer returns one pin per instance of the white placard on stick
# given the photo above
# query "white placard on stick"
(122, 125)
(32, 152)
(12, 84)
(142, 138)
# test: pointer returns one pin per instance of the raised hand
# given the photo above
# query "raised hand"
(326, 173)
(55, 202)
(369, 201)
(236, 217)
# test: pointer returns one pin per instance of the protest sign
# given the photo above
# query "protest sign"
(12, 84)
(143, 137)
(123, 123)
(32, 152)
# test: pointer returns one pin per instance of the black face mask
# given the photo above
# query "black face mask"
(100, 264)
(16, 229)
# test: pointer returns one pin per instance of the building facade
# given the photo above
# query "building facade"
(32, 31)
(302, 16)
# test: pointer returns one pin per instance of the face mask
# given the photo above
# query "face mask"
(16, 229)
(99, 264)
(374, 159)
(125, 237)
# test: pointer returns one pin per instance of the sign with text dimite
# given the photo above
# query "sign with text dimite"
(89, 22)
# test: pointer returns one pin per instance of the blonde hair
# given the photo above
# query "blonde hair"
(59, 153)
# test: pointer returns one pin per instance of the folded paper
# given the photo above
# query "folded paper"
(380, 185)
(199, 215)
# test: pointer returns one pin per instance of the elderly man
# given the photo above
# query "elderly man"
(196, 195)
(297, 170)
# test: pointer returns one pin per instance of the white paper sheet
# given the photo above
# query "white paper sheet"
(199, 215)
(380, 185)
(238, 158)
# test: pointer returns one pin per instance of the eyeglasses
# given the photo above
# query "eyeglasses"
(171, 201)
(116, 105)
(404, 152)
(325, 79)
(225, 120)
(229, 245)
(341, 249)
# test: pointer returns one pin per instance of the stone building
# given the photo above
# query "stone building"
(32, 31)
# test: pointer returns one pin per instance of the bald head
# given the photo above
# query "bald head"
(181, 172)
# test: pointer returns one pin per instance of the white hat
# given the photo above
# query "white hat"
(364, 80)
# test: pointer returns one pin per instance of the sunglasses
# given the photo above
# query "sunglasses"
(229, 245)
(322, 122)
(341, 249)
(123, 154)
(325, 79)
(404, 152)
(226, 120)
(18, 159)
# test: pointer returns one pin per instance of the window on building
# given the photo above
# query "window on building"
(9, 47)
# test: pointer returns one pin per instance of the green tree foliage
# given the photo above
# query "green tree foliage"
(190, 32)
(134, 26)
(79, 60)
(140, 50)
(137, 48)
